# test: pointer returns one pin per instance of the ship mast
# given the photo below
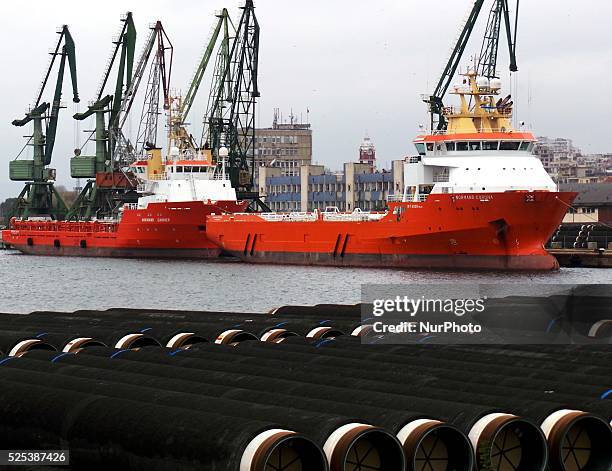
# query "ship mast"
(487, 63)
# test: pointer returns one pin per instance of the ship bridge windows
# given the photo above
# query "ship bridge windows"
(473, 146)
(509, 145)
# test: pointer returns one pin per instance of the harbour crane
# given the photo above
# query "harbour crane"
(104, 186)
(39, 196)
(229, 123)
(178, 136)
(123, 151)
(111, 183)
(487, 60)
(159, 80)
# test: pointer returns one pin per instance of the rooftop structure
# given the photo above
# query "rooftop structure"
(285, 145)
(367, 152)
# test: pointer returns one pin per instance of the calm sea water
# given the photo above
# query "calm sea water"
(63, 283)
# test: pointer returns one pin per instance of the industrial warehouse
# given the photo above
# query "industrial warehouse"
(214, 297)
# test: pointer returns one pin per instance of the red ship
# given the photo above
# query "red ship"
(475, 197)
(162, 230)
(169, 220)
(472, 231)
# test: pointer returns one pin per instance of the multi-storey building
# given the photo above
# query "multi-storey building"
(359, 186)
(286, 146)
(566, 164)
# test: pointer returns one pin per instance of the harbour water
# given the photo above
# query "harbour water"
(29, 283)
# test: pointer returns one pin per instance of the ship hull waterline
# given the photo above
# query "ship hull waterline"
(536, 262)
(503, 231)
(108, 252)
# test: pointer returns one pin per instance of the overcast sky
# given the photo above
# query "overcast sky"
(359, 66)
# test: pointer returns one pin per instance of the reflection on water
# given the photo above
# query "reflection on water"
(63, 283)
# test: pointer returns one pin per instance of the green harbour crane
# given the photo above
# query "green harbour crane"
(111, 183)
(39, 197)
(123, 151)
(229, 122)
(487, 60)
(178, 135)
(104, 185)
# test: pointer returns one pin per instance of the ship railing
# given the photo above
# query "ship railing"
(288, 216)
(130, 205)
(67, 226)
(302, 216)
(407, 198)
(357, 216)
(308, 217)
(445, 132)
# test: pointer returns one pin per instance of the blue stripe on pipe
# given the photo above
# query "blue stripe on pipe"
(551, 324)
(54, 359)
(175, 352)
(426, 338)
(606, 394)
(280, 324)
(323, 342)
(119, 352)
(4, 360)
(145, 329)
(42, 334)
(324, 322)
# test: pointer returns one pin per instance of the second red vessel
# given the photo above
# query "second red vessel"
(475, 196)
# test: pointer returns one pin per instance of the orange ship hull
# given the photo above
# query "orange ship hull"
(472, 231)
(163, 230)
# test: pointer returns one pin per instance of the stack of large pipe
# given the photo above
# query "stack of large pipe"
(296, 389)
